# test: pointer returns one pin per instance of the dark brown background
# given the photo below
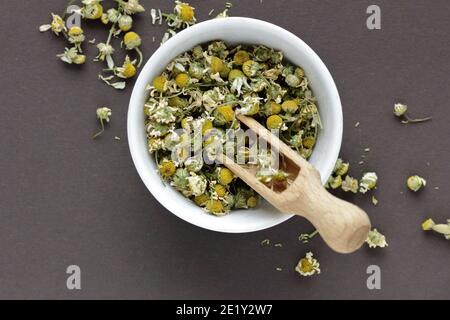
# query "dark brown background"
(65, 199)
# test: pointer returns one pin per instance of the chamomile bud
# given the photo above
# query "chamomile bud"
(274, 122)
(57, 25)
(132, 40)
(125, 23)
(113, 15)
(93, 11)
(79, 59)
(376, 240)
(293, 81)
(104, 114)
(250, 68)
(368, 182)
(415, 183)
(217, 65)
(400, 109)
(132, 7)
(241, 57)
(290, 106)
(182, 80)
(235, 74)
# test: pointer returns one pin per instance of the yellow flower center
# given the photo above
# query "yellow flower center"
(201, 200)
(234, 74)
(167, 168)
(225, 176)
(129, 70)
(306, 266)
(75, 31)
(214, 206)
(182, 80)
(252, 202)
(290, 106)
(207, 125)
(274, 122)
(132, 40)
(309, 142)
(217, 65)
(159, 83)
(227, 113)
(187, 13)
(220, 190)
(241, 57)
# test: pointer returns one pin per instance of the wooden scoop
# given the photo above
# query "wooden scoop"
(342, 225)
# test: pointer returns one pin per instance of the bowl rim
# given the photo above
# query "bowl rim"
(141, 84)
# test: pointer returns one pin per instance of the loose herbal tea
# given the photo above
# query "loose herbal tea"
(120, 21)
(198, 96)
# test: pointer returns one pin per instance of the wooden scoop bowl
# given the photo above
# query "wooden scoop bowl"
(342, 225)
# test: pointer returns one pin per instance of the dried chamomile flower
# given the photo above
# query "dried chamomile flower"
(341, 168)
(350, 184)
(125, 23)
(185, 12)
(401, 111)
(130, 7)
(197, 184)
(225, 176)
(290, 106)
(105, 52)
(251, 68)
(443, 229)
(76, 37)
(128, 69)
(57, 26)
(376, 239)
(104, 116)
(71, 56)
(415, 183)
(335, 182)
(92, 9)
(113, 15)
(308, 266)
(368, 182)
(167, 168)
(133, 41)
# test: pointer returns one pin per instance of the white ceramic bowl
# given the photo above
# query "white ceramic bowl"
(235, 31)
